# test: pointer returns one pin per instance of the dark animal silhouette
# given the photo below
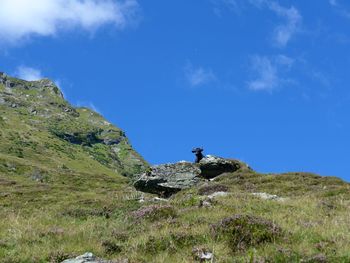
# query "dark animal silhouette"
(198, 152)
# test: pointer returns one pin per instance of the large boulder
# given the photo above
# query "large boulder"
(212, 166)
(167, 179)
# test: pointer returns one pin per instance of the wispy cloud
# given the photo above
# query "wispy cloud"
(198, 76)
(267, 71)
(284, 32)
(267, 78)
(284, 60)
(340, 8)
(28, 73)
(22, 19)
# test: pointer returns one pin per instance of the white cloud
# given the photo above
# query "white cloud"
(199, 76)
(284, 33)
(21, 19)
(267, 71)
(28, 73)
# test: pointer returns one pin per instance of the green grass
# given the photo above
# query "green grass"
(96, 212)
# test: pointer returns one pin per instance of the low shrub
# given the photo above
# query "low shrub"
(243, 231)
(111, 247)
(155, 212)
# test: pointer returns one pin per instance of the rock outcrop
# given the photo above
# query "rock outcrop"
(168, 179)
(43, 84)
(212, 166)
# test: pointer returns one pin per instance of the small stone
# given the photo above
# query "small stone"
(202, 254)
(205, 203)
(91, 258)
(87, 257)
(206, 256)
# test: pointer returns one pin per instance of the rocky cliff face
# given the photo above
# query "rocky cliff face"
(38, 124)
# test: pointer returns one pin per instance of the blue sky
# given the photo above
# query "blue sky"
(264, 81)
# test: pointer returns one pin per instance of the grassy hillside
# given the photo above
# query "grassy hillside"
(49, 222)
(65, 189)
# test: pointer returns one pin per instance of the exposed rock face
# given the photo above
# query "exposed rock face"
(168, 179)
(212, 166)
(107, 137)
(43, 84)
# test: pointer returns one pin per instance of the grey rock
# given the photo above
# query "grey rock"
(2, 77)
(89, 258)
(202, 255)
(168, 179)
(206, 256)
(205, 203)
(112, 137)
(51, 86)
(38, 176)
(212, 166)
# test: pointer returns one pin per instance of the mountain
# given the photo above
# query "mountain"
(71, 183)
(40, 127)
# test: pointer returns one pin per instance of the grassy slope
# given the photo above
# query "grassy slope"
(59, 199)
(49, 222)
